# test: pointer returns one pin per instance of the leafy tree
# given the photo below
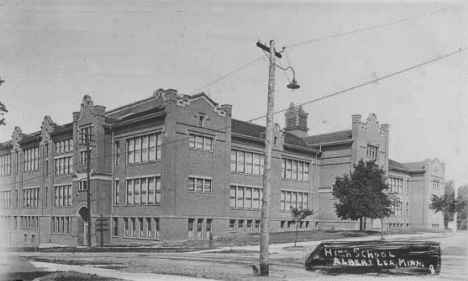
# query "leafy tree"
(463, 214)
(3, 109)
(447, 204)
(299, 214)
(362, 194)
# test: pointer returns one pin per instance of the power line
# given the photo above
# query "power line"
(372, 81)
(324, 38)
(368, 28)
(228, 74)
(308, 102)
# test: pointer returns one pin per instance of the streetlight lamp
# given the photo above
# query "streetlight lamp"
(265, 217)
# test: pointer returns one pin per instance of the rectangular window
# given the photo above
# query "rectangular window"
(209, 227)
(241, 162)
(248, 198)
(248, 163)
(257, 225)
(283, 201)
(129, 192)
(300, 171)
(5, 164)
(295, 170)
(82, 185)
(62, 146)
(143, 191)
(46, 196)
(192, 141)
(191, 184)
(133, 220)
(158, 190)
(372, 151)
(231, 225)
(151, 190)
(156, 227)
(256, 164)
(149, 230)
(256, 198)
(232, 197)
(83, 157)
(131, 151)
(126, 227)
(199, 185)
(240, 197)
(293, 199)
(31, 159)
(249, 225)
(63, 165)
(136, 194)
(141, 226)
(116, 192)
(200, 228)
(241, 225)
(288, 169)
(144, 148)
(201, 142)
(190, 230)
(233, 161)
(117, 153)
(138, 150)
(115, 229)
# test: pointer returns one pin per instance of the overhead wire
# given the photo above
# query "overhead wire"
(320, 39)
(371, 81)
(369, 28)
(221, 129)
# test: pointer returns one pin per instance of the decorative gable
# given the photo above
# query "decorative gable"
(47, 128)
(17, 137)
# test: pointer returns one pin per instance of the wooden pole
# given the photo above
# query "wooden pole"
(265, 218)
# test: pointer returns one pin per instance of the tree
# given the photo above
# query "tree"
(362, 194)
(3, 109)
(447, 204)
(463, 214)
(299, 215)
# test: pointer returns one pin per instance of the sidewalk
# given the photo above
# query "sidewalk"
(52, 267)
(278, 248)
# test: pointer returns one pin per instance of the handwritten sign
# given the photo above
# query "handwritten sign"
(393, 257)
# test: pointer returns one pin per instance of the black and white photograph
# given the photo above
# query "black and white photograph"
(233, 140)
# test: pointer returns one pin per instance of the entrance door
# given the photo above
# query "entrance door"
(83, 212)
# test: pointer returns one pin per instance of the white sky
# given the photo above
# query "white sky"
(51, 55)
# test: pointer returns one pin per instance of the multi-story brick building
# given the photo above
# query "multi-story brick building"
(414, 183)
(172, 167)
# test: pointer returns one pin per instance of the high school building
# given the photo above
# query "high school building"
(174, 167)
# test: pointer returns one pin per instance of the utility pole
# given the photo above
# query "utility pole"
(265, 217)
(86, 134)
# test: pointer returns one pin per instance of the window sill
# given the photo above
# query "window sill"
(202, 192)
(246, 174)
(200, 149)
(143, 163)
(138, 238)
(135, 205)
(299, 181)
(249, 210)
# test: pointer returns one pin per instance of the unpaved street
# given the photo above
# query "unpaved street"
(287, 262)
